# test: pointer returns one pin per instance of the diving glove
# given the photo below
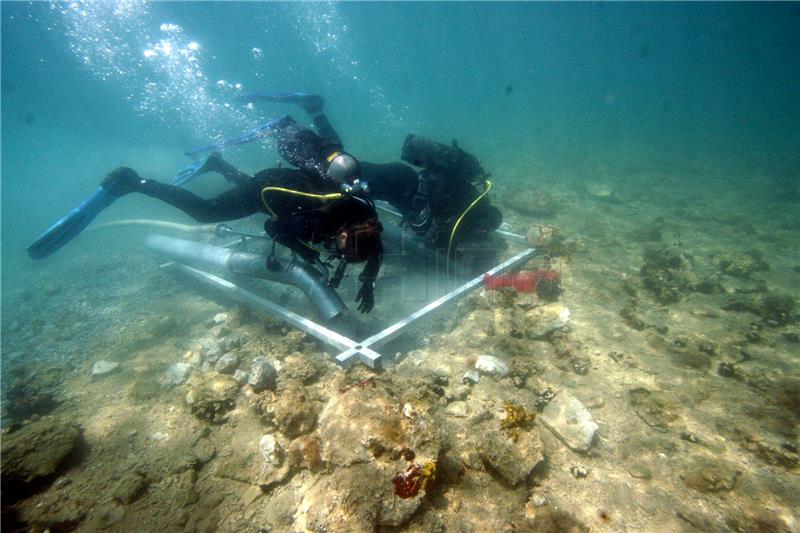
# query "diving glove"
(366, 296)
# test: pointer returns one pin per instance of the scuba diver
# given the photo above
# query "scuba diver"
(319, 203)
(442, 203)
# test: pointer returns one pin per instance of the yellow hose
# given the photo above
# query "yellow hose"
(488, 184)
(329, 196)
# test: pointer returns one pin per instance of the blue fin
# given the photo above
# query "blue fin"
(71, 225)
(264, 130)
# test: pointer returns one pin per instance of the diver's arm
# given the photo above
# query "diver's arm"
(366, 293)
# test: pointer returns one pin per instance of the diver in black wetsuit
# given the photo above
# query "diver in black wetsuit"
(304, 210)
(447, 194)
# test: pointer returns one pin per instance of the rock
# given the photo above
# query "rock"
(227, 363)
(193, 358)
(271, 450)
(640, 471)
(231, 342)
(471, 377)
(253, 493)
(103, 368)
(220, 318)
(176, 374)
(543, 320)
(654, 408)
(491, 366)
(262, 374)
(130, 487)
(211, 396)
(514, 461)
(570, 421)
(457, 409)
(579, 471)
(36, 451)
(538, 500)
(458, 393)
(291, 410)
(602, 191)
(710, 475)
(241, 376)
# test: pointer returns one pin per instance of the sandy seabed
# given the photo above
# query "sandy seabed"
(683, 346)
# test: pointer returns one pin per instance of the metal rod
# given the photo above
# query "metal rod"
(327, 336)
(395, 329)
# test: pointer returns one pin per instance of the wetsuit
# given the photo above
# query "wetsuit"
(295, 221)
(433, 199)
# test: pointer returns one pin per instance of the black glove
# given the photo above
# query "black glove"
(366, 295)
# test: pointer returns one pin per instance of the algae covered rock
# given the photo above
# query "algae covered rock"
(211, 396)
(37, 450)
(665, 273)
(513, 459)
(383, 461)
(532, 202)
(743, 265)
(710, 475)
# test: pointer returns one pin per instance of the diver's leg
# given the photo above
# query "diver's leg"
(239, 202)
(324, 127)
(228, 171)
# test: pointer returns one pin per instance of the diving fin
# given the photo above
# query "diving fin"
(264, 130)
(312, 103)
(71, 225)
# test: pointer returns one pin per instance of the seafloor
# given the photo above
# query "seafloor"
(682, 347)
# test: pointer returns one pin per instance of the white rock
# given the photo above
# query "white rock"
(220, 318)
(471, 377)
(103, 368)
(177, 374)
(271, 450)
(570, 421)
(491, 366)
(545, 319)
(408, 410)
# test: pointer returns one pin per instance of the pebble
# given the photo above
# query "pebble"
(408, 410)
(539, 500)
(262, 374)
(220, 318)
(471, 377)
(640, 471)
(177, 374)
(103, 368)
(579, 471)
(491, 366)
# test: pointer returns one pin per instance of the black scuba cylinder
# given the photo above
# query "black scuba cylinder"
(440, 158)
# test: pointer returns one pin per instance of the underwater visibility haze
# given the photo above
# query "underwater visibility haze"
(639, 373)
